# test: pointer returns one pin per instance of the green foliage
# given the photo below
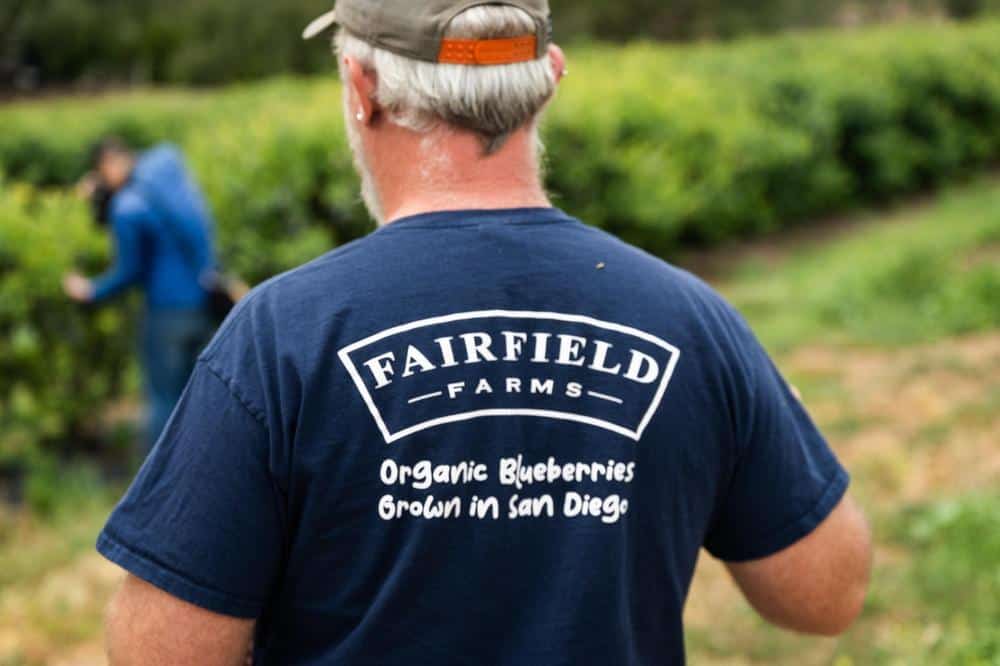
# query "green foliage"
(69, 505)
(954, 576)
(216, 41)
(667, 146)
(664, 145)
(918, 277)
(185, 41)
(689, 19)
(58, 362)
(724, 19)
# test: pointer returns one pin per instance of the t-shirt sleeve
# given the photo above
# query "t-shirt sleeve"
(784, 480)
(127, 269)
(203, 520)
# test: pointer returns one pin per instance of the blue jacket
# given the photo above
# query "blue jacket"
(163, 235)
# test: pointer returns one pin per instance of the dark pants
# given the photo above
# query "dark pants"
(171, 342)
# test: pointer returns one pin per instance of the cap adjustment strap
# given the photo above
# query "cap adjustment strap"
(488, 51)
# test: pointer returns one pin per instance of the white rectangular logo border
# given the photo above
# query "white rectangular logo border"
(391, 438)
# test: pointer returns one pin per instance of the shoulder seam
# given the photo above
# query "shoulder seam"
(227, 327)
(230, 385)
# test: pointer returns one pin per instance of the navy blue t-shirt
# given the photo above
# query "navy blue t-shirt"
(473, 438)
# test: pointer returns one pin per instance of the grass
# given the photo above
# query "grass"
(52, 589)
(910, 277)
(32, 544)
(891, 330)
(954, 579)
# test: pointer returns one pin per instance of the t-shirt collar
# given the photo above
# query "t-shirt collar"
(479, 217)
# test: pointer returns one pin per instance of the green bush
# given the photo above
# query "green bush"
(187, 41)
(663, 145)
(59, 363)
(45, 42)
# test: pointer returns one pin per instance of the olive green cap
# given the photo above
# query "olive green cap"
(417, 28)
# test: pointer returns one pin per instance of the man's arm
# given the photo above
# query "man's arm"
(794, 541)
(148, 627)
(203, 525)
(127, 269)
(818, 585)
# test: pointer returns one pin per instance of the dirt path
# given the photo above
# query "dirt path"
(716, 262)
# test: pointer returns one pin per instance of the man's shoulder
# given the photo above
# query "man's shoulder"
(650, 270)
(689, 302)
(327, 275)
(355, 271)
(353, 278)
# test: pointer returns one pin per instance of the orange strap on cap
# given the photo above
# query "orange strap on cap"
(488, 51)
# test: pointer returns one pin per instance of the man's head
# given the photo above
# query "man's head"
(436, 75)
(112, 161)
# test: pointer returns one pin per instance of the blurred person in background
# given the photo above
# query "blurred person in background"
(486, 434)
(163, 243)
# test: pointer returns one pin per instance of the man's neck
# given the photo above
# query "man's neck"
(448, 171)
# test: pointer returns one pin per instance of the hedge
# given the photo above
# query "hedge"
(46, 42)
(707, 143)
(666, 146)
(59, 363)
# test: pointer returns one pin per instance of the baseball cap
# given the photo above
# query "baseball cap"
(417, 28)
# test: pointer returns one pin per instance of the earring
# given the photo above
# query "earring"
(360, 116)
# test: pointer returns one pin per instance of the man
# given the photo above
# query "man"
(487, 433)
(162, 233)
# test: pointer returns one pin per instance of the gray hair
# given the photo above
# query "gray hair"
(492, 101)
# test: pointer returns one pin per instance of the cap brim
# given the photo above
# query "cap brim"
(320, 25)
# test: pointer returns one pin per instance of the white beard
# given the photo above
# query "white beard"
(369, 193)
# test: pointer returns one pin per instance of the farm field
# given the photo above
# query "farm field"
(888, 323)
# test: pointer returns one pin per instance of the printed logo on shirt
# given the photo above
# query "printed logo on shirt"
(497, 364)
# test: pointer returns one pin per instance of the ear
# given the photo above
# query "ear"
(558, 60)
(363, 86)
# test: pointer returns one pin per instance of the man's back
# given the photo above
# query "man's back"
(479, 437)
(490, 437)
